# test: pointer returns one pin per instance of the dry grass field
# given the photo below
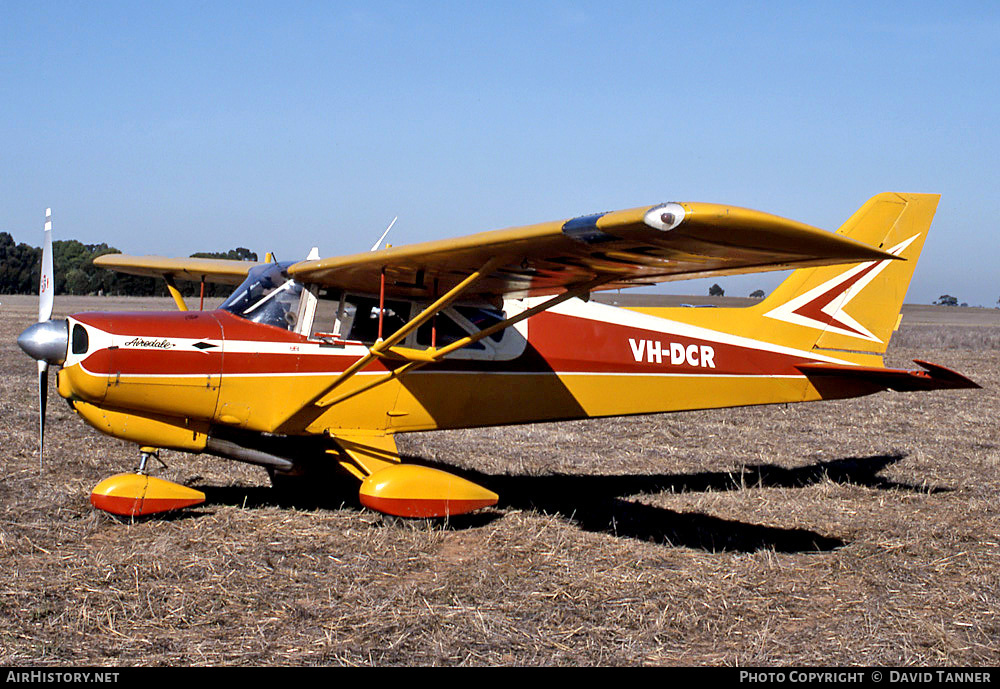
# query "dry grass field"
(859, 532)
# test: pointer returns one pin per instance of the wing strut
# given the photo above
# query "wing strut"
(432, 355)
(174, 292)
(416, 358)
(381, 346)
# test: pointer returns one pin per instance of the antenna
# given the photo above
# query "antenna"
(376, 245)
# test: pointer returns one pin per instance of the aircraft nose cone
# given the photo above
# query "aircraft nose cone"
(46, 341)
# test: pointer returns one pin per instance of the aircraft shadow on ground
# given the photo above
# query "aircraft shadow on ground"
(599, 503)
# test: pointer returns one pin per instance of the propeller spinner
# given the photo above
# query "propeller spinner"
(47, 340)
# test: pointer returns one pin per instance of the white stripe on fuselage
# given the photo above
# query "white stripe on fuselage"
(604, 313)
(575, 308)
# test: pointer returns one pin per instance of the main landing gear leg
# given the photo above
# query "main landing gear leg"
(145, 453)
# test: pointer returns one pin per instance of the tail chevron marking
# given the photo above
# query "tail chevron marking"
(822, 307)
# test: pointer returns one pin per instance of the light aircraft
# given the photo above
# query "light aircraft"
(320, 363)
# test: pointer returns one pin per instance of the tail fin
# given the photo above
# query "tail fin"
(855, 308)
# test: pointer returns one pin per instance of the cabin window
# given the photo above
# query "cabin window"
(448, 331)
(481, 319)
(364, 320)
(355, 318)
(342, 318)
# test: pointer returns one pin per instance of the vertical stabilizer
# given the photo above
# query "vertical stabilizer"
(855, 307)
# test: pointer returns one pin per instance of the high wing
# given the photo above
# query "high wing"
(646, 245)
(218, 270)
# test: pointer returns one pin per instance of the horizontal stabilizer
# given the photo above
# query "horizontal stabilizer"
(933, 377)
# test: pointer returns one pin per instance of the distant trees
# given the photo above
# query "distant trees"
(213, 290)
(75, 272)
(73, 263)
(18, 262)
(716, 291)
(757, 294)
(947, 300)
(238, 254)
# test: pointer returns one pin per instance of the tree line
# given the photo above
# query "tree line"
(75, 272)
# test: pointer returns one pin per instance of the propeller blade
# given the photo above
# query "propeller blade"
(46, 293)
(46, 285)
(43, 395)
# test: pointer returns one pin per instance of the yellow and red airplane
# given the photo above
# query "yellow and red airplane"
(320, 362)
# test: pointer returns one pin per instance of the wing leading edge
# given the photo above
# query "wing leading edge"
(217, 270)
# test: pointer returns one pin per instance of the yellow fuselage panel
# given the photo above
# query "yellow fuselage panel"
(153, 431)
(440, 401)
(266, 400)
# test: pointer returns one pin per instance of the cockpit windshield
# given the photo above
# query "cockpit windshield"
(267, 296)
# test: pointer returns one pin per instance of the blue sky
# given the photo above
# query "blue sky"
(177, 127)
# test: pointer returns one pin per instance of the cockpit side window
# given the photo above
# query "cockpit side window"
(333, 313)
